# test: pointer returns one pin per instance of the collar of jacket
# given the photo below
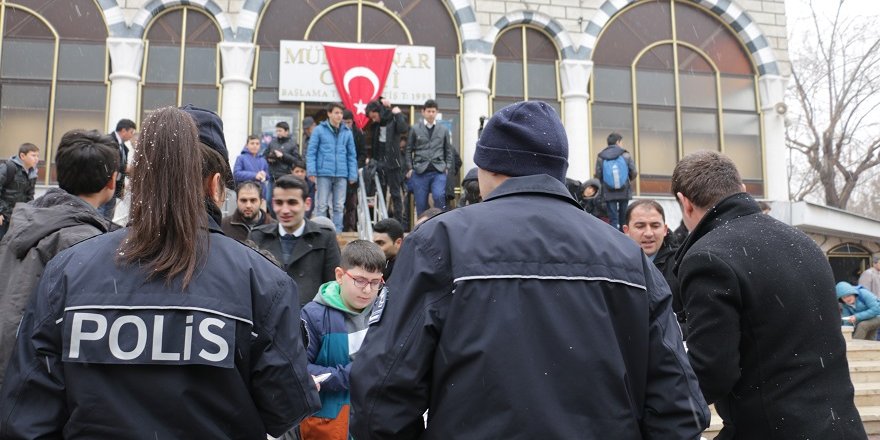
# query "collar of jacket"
(730, 208)
(272, 229)
(541, 184)
(213, 225)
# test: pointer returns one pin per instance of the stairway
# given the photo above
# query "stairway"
(864, 370)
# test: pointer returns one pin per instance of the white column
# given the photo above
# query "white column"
(126, 57)
(238, 64)
(475, 70)
(575, 77)
(772, 90)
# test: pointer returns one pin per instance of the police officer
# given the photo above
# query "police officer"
(167, 328)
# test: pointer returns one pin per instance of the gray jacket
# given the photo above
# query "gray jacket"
(423, 149)
(39, 230)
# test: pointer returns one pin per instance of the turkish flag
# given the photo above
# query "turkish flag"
(359, 71)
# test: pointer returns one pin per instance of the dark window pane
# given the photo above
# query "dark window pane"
(380, 28)
(699, 131)
(723, 47)
(27, 59)
(446, 75)
(81, 61)
(201, 29)
(658, 58)
(742, 142)
(509, 79)
(738, 92)
(632, 31)
(338, 25)
(265, 118)
(542, 81)
(508, 46)
(287, 20)
(163, 64)
(657, 145)
(78, 106)
(156, 97)
(204, 97)
(655, 88)
(200, 65)
(691, 61)
(498, 104)
(24, 111)
(265, 97)
(612, 85)
(73, 19)
(166, 28)
(430, 23)
(540, 46)
(607, 119)
(267, 75)
(21, 24)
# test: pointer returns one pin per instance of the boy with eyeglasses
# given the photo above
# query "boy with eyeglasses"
(336, 322)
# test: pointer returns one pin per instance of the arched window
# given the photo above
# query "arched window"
(525, 68)
(848, 261)
(415, 22)
(672, 79)
(181, 64)
(52, 74)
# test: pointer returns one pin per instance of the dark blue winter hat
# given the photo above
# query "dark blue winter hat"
(524, 139)
(210, 128)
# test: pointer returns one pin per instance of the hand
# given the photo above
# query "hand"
(261, 176)
(317, 384)
(313, 179)
(366, 161)
(852, 319)
(352, 182)
(278, 153)
(1, 220)
(395, 110)
(408, 174)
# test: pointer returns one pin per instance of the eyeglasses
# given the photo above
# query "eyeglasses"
(360, 282)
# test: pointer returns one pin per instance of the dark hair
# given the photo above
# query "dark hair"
(283, 125)
(289, 181)
(706, 177)
(214, 163)
(249, 184)
(364, 254)
(298, 163)
(374, 106)
(333, 105)
(614, 138)
(644, 203)
(471, 191)
(389, 226)
(26, 148)
(347, 114)
(85, 161)
(252, 137)
(429, 213)
(429, 104)
(764, 206)
(125, 124)
(167, 235)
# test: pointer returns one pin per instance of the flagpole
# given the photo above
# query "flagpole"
(360, 19)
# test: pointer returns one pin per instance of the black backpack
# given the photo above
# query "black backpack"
(10, 177)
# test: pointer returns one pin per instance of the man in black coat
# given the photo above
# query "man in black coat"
(18, 179)
(535, 323)
(387, 127)
(307, 251)
(763, 324)
(645, 223)
(125, 130)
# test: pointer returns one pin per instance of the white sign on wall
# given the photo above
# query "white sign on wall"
(305, 76)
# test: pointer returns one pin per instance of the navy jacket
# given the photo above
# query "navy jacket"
(104, 353)
(764, 328)
(520, 323)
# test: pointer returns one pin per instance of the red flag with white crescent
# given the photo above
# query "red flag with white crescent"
(360, 72)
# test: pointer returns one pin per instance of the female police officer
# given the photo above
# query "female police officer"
(167, 328)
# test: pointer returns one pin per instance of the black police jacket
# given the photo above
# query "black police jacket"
(524, 317)
(104, 353)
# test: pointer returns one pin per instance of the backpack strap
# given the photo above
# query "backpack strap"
(10, 176)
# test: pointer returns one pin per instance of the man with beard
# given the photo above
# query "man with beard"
(248, 214)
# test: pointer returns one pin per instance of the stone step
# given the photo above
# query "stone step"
(864, 371)
(860, 350)
(867, 394)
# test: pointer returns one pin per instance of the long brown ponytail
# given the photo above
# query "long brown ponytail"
(168, 223)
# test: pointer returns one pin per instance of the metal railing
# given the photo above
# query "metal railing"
(366, 217)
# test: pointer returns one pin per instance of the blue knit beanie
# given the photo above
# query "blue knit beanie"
(524, 139)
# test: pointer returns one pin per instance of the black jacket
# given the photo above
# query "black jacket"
(234, 225)
(104, 353)
(122, 151)
(387, 153)
(515, 323)
(763, 327)
(665, 262)
(280, 166)
(315, 256)
(612, 152)
(20, 188)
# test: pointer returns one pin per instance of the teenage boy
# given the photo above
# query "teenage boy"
(337, 321)
(331, 163)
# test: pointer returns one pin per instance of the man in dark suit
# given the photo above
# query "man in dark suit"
(307, 251)
(125, 130)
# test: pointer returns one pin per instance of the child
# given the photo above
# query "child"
(337, 321)
(251, 167)
(299, 170)
(592, 201)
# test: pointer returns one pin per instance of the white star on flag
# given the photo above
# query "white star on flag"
(361, 107)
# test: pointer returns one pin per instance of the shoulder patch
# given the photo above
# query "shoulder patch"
(378, 307)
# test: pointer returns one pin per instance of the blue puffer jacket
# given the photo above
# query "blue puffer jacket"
(247, 166)
(866, 305)
(332, 154)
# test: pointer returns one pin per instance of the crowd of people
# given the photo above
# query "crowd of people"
(539, 308)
